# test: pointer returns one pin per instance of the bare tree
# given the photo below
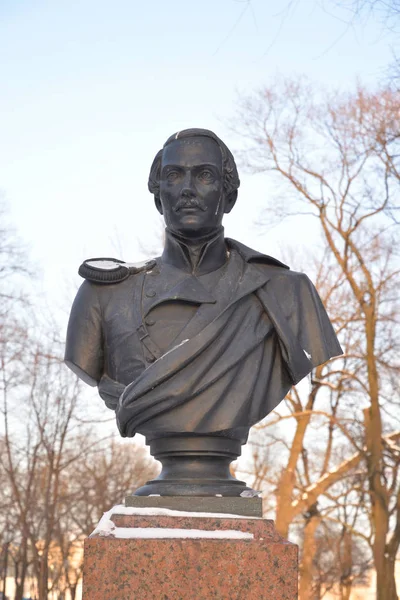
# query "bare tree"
(99, 479)
(56, 475)
(336, 158)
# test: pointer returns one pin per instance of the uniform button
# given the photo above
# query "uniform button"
(150, 293)
(150, 359)
(149, 321)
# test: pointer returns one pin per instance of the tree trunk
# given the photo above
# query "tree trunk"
(383, 562)
(306, 591)
(345, 591)
(284, 512)
(19, 591)
(43, 583)
(346, 580)
(21, 576)
(72, 590)
(284, 495)
(385, 580)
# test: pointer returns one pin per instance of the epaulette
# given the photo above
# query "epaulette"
(111, 270)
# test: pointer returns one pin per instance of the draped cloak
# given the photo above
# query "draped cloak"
(236, 358)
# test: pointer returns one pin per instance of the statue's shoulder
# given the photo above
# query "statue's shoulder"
(111, 270)
(253, 256)
(280, 276)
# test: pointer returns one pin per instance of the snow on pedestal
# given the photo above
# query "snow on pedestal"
(146, 554)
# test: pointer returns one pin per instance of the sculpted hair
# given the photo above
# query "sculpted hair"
(230, 173)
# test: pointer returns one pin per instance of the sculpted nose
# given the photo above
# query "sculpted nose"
(187, 189)
(187, 193)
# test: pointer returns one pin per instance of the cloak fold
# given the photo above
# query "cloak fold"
(234, 368)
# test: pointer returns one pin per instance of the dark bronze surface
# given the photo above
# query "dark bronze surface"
(194, 466)
(194, 348)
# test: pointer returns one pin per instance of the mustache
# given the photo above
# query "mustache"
(189, 203)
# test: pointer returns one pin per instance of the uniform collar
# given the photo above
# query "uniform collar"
(172, 282)
(207, 254)
(250, 255)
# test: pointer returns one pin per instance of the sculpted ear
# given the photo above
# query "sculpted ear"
(230, 201)
(157, 202)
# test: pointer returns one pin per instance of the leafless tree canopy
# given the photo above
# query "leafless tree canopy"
(335, 158)
(57, 474)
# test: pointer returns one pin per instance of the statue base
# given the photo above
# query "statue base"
(231, 505)
(194, 465)
(147, 556)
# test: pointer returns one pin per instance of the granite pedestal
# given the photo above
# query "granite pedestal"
(171, 555)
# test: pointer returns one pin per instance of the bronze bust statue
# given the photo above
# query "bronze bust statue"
(193, 348)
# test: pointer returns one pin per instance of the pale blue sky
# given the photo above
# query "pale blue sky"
(91, 89)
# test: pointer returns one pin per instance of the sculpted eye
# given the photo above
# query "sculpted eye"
(206, 175)
(172, 176)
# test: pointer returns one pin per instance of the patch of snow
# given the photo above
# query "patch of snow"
(169, 533)
(107, 528)
(250, 494)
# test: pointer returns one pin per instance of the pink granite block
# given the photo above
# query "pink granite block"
(258, 527)
(263, 566)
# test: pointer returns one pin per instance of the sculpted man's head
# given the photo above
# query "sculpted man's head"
(194, 180)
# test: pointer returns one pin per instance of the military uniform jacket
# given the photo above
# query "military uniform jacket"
(175, 350)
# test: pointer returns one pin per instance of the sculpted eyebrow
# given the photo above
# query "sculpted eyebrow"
(207, 166)
(169, 167)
